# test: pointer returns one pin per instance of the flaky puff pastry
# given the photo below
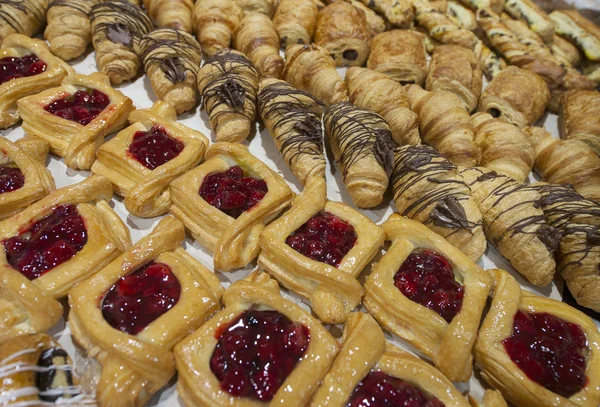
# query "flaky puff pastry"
(134, 367)
(214, 22)
(295, 21)
(566, 162)
(579, 30)
(580, 117)
(502, 373)
(25, 17)
(169, 13)
(375, 23)
(376, 91)
(199, 387)
(516, 96)
(67, 138)
(565, 51)
(312, 69)
(503, 147)
(428, 188)
(17, 45)
(228, 83)
(462, 15)
(233, 242)
(448, 345)
(491, 64)
(333, 292)
(293, 118)
(266, 7)
(533, 15)
(399, 13)
(256, 37)
(495, 5)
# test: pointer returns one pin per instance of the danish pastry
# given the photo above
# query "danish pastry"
(214, 22)
(533, 15)
(25, 17)
(295, 21)
(441, 27)
(399, 13)
(172, 14)
(580, 117)
(579, 30)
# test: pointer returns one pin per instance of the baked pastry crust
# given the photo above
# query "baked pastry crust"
(233, 242)
(580, 117)
(565, 51)
(173, 14)
(134, 367)
(25, 17)
(375, 23)
(495, 5)
(533, 15)
(501, 372)
(146, 191)
(448, 345)
(579, 30)
(463, 16)
(399, 13)
(76, 143)
(491, 64)
(442, 27)
(295, 21)
(198, 386)
(17, 45)
(214, 22)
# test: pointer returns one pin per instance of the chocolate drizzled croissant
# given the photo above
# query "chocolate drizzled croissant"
(25, 17)
(214, 22)
(169, 13)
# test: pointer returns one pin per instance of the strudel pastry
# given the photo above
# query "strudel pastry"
(533, 15)
(495, 5)
(441, 27)
(579, 30)
(295, 21)
(214, 22)
(462, 15)
(491, 64)
(172, 14)
(25, 17)
(580, 117)
(565, 51)
(399, 13)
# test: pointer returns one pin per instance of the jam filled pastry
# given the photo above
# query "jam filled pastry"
(318, 248)
(293, 118)
(143, 159)
(131, 314)
(260, 350)
(36, 371)
(361, 142)
(375, 23)
(173, 14)
(533, 15)
(324, 83)
(75, 117)
(399, 13)
(226, 202)
(65, 237)
(214, 22)
(228, 83)
(537, 351)
(429, 189)
(580, 117)
(430, 294)
(295, 21)
(26, 68)
(376, 91)
(515, 224)
(117, 25)
(25, 17)
(495, 5)
(578, 30)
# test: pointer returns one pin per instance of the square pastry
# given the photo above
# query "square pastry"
(318, 248)
(130, 315)
(63, 238)
(226, 202)
(74, 118)
(143, 159)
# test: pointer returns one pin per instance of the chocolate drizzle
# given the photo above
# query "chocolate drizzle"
(19, 14)
(57, 374)
(173, 69)
(119, 21)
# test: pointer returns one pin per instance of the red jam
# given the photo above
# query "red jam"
(155, 147)
(426, 278)
(325, 238)
(81, 107)
(141, 297)
(47, 243)
(15, 67)
(11, 179)
(232, 192)
(550, 351)
(379, 389)
(256, 352)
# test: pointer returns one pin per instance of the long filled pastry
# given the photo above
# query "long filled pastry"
(168, 13)
(399, 13)
(495, 5)
(565, 51)
(295, 21)
(490, 63)
(579, 30)
(25, 17)
(580, 117)
(462, 15)
(214, 21)
(533, 15)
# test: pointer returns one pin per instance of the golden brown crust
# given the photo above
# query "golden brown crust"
(565, 51)
(533, 15)
(463, 16)
(266, 7)
(580, 117)
(375, 23)
(214, 21)
(495, 5)
(579, 30)
(25, 17)
(295, 21)
(399, 13)
(441, 27)
(168, 13)
(490, 63)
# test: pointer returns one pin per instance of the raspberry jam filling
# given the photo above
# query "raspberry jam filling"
(154, 147)
(11, 179)
(256, 352)
(141, 297)
(232, 192)
(20, 67)
(325, 238)
(550, 351)
(426, 278)
(47, 243)
(379, 389)
(81, 107)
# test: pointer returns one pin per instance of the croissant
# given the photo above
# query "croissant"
(169, 13)
(25, 17)
(228, 83)
(361, 141)
(399, 13)
(311, 68)
(214, 22)
(375, 91)
(293, 117)
(580, 117)
(514, 223)
(266, 7)
(533, 15)
(256, 37)
(429, 189)
(375, 23)
(295, 21)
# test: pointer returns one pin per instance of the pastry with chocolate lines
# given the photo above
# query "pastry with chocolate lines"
(399, 13)
(533, 15)
(570, 24)
(214, 22)
(25, 17)
(256, 37)
(295, 21)
(169, 13)
(580, 117)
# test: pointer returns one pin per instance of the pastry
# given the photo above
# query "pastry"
(565, 51)
(293, 118)
(286, 373)
(456, 69)
(228, 83)
(318, 248)
(295, 21)
(503, 148)
(312, 69)
(495, 5)
(172, 14)
(376, 91)
(25, 17)
(130, 315)
(226, 202)
(490, 63)
(361, 142)
(579, 30)
(533, 15)
(444, 124)
(117, 26)
(342, 30)
(592, 70)
(256, 37)
(538, 351)
(401, 55)
(516, 96)
(266, 7)
(399, 13)
(580, 117)
(74, 118)
(27, 67)
(375, 23)
(65, 237)
(463, 16)
(439, 319)
(214, 22)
